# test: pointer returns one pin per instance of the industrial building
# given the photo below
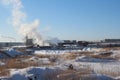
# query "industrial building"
(112, 40)
(64, 44)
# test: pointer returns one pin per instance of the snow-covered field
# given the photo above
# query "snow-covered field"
(87, 64)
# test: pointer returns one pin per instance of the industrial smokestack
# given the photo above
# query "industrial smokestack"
(18, 21)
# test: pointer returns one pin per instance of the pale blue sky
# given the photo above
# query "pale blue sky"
(69, 19)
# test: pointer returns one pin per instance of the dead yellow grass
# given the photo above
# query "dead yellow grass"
(13, 63)
(70, 56)
(43, 56)
(101, 56)
(4, 72)
(110, 48)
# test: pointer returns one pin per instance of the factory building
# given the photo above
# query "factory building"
(112, 40)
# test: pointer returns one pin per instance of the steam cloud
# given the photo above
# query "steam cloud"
(18, 20)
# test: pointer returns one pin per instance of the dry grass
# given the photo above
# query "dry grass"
(19, 63)
(14, 63)
(4, 72)
(101, 56)
(53, 58)
(62, 75)
(70, 56)
(42, 55)
(111, 48)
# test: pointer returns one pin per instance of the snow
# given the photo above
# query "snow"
(40, 74)
(86, 49)
(97, 65)
(39, 60)
(96, 49)
(116, 53)
(12, 52)
(103, 77)
(2, 63)
(118, 78)
(45, 52)
(4, 78)
(89, 59)
(24, 74)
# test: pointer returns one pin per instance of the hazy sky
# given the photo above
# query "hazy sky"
(68, 19)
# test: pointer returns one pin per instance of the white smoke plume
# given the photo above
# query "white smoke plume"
(18, 20)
